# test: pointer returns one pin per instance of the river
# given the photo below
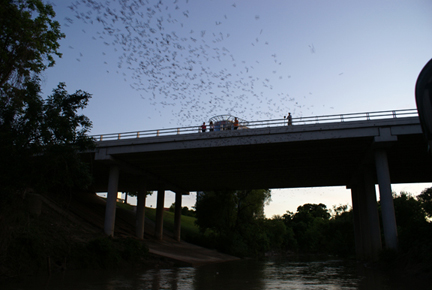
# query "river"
(243, 274)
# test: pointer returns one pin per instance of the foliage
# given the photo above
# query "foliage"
(189, 230)
(312, 229)
(224, 211)
(135, 193)
(215, 211)
(315, 230)
(426, 201)
(309, 225)
(414, 231)
(308, 212)
(234, 217)
(185, 211)
(40, 139)
(408, 210)
(279, 236)
(28, 41)
(340, 233)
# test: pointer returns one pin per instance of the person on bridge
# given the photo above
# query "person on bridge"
(203, 127)
(289, 119)
(211, 126)
(236, 123)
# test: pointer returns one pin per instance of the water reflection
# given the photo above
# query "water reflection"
(177, 278)
(244, 274)
(310, 275)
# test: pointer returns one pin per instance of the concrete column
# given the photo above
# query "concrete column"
(110, 210)
(177, 216)
(366, 221)
(386, 198)
(358, 226)
(372, 216)
(159, 213)
(140, 213)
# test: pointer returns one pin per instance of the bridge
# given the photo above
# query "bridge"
(354, 150)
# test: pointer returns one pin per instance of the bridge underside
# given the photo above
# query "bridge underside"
(331, 162)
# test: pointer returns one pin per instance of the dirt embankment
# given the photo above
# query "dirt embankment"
(49, 234)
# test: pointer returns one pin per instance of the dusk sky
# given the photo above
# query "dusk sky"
(163, 64)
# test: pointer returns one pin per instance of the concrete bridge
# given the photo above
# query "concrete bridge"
(353, 150)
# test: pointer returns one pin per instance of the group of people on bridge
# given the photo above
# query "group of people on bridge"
(229, 125)
(221, 125)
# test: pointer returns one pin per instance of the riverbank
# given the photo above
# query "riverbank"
(43, 235)
(46, 235)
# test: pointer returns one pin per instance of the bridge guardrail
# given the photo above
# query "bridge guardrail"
(265, 123)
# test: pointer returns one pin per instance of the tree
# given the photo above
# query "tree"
(223, 211)
(339, 234)
(28, 40)
(310, 211)
(40, 139)
(426, 201)
(232, 217)
(414, 231)
(135, 193)
(309, 224)
(184, 210)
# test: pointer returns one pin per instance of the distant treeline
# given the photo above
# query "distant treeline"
(233, 222)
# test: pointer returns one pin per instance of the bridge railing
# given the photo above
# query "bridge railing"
(265, 123)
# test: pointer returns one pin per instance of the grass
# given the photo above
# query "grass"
(125, 206)
(189, 230)
(188, 226)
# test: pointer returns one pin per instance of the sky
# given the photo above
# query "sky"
(165, 64)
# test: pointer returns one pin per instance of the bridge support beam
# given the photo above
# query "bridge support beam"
(386, 198)
(110, 210)
(177, 216)
(366, 219)
(140, 214)
(159, 213)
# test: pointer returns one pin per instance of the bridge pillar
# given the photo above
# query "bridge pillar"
(359, 228)
(110, 210)
(177, 216)
(366, 219)
(386, 198)
(140, 214)
(159, 213)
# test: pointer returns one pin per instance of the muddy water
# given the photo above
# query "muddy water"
(244, 274)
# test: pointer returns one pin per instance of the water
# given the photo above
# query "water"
(244, 274)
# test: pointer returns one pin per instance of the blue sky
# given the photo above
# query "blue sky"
(181, 62)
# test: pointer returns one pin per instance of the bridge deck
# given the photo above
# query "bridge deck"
(275, 157)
